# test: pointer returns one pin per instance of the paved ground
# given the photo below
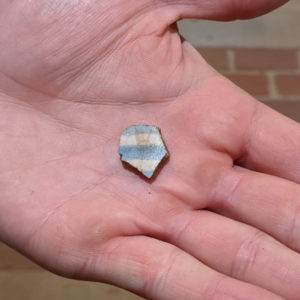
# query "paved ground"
(42, 285)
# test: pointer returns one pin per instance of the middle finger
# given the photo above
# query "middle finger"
(267, 202)
(238, 250)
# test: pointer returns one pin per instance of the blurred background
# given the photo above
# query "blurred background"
(261, 56)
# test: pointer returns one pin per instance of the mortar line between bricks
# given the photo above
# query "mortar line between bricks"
(273, 91)
(231, 60)
(293, 98)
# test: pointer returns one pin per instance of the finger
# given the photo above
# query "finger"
(158, 270)
(272, 144)
(226, 9)
(237, 250)
(266, 202)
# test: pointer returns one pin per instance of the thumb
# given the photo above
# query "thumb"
(224, 10)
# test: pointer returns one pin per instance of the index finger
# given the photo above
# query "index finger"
(272, 144)
(225, 10)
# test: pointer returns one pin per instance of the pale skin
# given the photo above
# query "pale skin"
(221, 220)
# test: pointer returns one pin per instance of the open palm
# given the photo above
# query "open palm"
(74, 75)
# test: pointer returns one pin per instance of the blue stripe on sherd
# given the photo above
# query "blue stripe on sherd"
(139, 129)
(142, 152)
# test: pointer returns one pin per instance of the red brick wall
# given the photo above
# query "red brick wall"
(267, 74)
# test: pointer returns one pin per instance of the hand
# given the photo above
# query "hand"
(74, 75)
